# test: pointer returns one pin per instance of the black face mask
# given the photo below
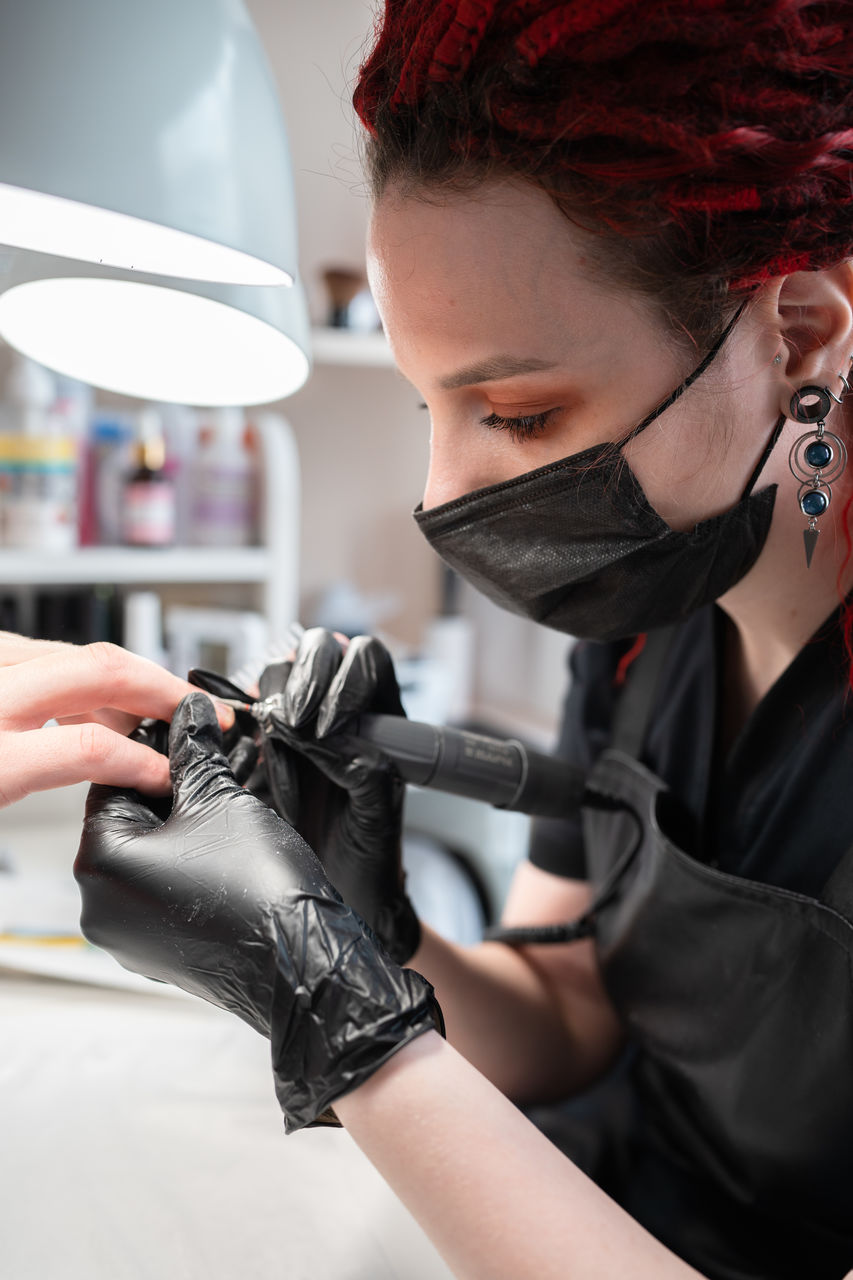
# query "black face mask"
(576, 545)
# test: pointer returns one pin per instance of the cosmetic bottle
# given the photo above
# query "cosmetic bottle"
(107, 461)
(148, 495)
(224, 487)
(38, 455)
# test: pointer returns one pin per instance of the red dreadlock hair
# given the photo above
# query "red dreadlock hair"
(707, 144)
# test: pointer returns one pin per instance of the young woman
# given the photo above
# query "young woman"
(611, 244)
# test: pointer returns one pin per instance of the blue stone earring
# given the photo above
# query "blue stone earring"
(816, 458)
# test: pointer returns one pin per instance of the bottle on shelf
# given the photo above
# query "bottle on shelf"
(104, 469)
(180, 427)
(224, 482)
(148, 494)
(38, 464)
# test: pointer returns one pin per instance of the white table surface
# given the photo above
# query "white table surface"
(140, 1138)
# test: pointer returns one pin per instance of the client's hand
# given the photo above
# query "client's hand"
(227, 901)
(97, 693)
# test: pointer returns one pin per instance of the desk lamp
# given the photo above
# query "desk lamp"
(147, 200)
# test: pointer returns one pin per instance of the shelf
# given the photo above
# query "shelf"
(343, 347)
(134, 565)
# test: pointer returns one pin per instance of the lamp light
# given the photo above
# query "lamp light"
(144, 136)
(184, 342)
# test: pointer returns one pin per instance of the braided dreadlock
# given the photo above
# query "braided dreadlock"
(708, 143)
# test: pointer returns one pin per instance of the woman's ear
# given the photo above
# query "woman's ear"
(814, 316)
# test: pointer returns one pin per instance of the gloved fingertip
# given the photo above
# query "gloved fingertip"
(195, 714)
(273, 678)
(317, 660)
(194, 733)
(353, 689)
(332, 716)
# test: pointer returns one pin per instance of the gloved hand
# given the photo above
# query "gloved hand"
(240, 744)
(225, 900)
(340, 793)
(241, 741)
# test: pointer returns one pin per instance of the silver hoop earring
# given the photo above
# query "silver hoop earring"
(818, 457)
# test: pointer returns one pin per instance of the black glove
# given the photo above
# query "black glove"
(225, 900)
(241, 743)
(340, 793)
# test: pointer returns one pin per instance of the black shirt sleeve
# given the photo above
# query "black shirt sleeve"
(556, 844)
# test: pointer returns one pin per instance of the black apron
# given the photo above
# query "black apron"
(734, 1102)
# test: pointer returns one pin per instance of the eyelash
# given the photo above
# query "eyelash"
(519, 428)
(524, 428)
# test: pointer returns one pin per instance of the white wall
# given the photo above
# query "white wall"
(363, 441)
(314, 50)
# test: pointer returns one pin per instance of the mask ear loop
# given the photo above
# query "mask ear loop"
(768, 449)
(688, 381)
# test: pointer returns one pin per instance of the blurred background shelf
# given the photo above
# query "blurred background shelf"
(344, 347)
(266, 574)
(135, 565)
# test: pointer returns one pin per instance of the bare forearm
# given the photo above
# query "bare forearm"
(494, 1196)
(522, 1033)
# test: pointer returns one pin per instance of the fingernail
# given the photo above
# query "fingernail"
(224, 714)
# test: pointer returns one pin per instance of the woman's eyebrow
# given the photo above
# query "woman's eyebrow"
(492, 369)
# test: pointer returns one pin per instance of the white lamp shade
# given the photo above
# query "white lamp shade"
(184, 342)
(146, 136)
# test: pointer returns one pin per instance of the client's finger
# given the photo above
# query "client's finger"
(44, 758)
(120, 721)
(73, 680)
(15, 648)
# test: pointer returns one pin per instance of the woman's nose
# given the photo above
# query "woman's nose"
(456, 467)
(440, 486)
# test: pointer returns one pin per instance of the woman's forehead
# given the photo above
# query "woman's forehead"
(509, 225)
(488, 266)
(502, 246)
